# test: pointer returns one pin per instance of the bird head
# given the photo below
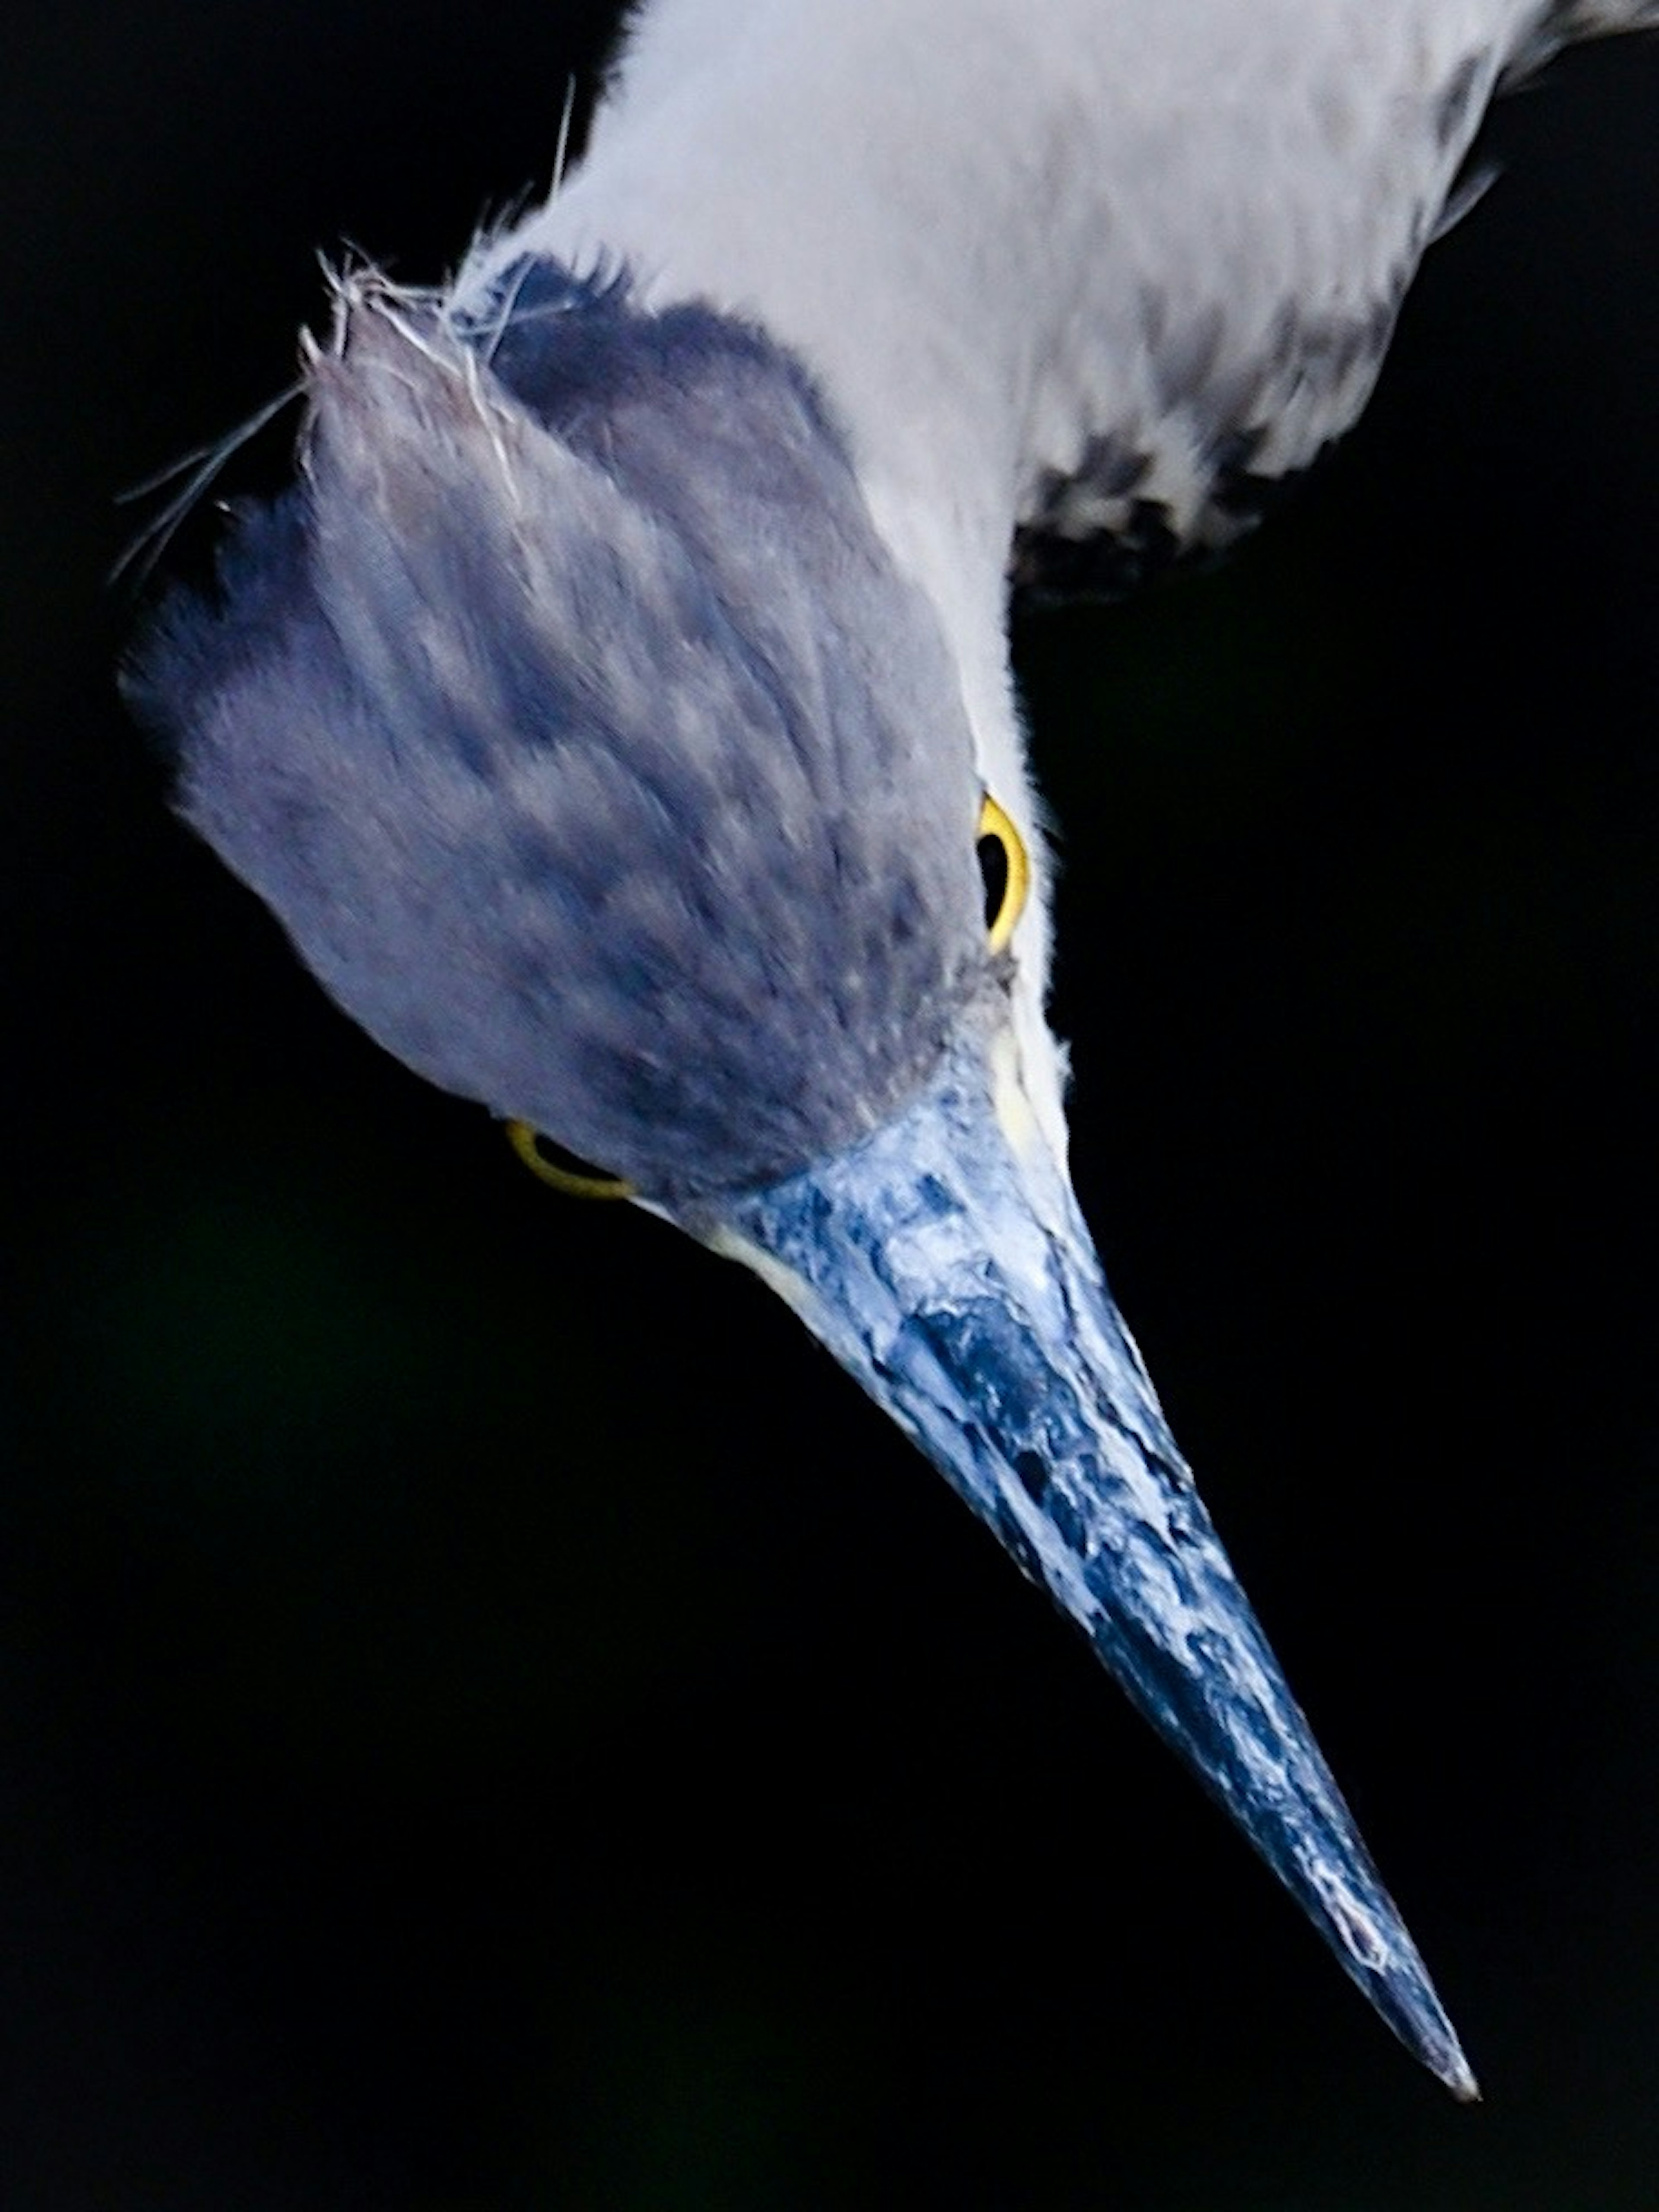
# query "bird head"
(573, 717)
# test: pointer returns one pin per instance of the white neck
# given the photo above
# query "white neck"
(1008, 236)
(995, 231)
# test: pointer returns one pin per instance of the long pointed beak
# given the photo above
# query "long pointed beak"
(945, 1264)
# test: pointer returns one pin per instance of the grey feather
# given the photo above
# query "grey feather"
(579, 729)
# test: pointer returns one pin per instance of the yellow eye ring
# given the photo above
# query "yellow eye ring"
(996, 829)
(527, 1142)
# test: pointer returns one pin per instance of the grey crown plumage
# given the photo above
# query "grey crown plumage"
(574, 720)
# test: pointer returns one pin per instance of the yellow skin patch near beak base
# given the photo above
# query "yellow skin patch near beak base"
(1009, 1102)
(794, 1290)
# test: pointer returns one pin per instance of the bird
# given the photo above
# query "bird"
(617, 709)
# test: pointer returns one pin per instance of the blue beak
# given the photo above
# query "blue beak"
(945, 1262)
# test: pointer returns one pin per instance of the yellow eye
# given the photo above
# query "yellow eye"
(1005, 868)
(562, 1169)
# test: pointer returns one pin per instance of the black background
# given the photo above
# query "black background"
(488, 1717)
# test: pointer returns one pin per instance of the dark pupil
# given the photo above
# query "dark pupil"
(993, 874)
(568, 1163)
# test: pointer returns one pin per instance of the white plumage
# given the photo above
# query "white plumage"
(1001, 235)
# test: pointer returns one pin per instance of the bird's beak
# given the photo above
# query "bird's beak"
(943, 1259)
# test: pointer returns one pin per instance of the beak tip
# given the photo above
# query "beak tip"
(1443, 2056)
(1406, 1999)
(1439, 2048)
(1448, 2064)
(1344, 1897)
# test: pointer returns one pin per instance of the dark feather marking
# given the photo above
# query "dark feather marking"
(1217, 422)
(1049, 567)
